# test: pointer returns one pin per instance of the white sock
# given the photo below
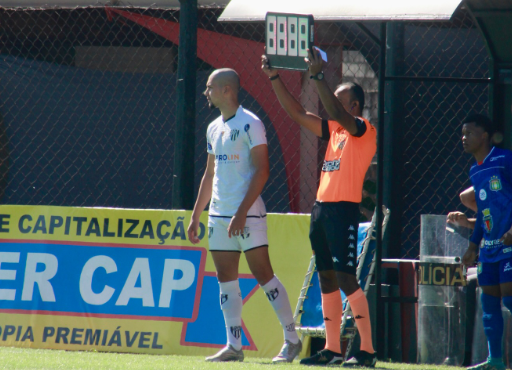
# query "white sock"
(231, 306)
(278, 298)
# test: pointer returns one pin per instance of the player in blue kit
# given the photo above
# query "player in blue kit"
(491, 177)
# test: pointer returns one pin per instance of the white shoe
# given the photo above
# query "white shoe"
(226, 354)
(288, 352)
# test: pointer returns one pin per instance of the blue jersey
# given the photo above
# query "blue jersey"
(492, 181)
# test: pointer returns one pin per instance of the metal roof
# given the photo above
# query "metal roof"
(329, 10)
(494, 18)
(158, 4)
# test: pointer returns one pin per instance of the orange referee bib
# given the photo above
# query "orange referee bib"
(346, 161)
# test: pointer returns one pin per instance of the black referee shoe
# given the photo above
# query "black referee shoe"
(362, 359)
(323, 357)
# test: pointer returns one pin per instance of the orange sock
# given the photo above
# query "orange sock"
(359, 306)
(333, 310)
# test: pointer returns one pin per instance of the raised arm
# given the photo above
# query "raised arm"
(294, 109)
(203, 197)
(331, 103)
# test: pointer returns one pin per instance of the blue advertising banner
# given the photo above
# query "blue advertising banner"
(130, 281)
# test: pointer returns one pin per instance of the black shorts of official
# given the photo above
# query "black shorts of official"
(333, 235)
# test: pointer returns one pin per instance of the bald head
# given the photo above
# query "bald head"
(222, 91)
(227, 77)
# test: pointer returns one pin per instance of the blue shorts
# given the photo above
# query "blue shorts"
(495, 273)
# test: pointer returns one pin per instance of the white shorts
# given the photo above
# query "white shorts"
(254, 236)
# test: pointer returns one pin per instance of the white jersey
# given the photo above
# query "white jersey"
(231, 143)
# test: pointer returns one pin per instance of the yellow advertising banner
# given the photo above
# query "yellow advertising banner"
(126, 280)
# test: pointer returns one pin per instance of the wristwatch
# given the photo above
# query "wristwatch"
(319, 76)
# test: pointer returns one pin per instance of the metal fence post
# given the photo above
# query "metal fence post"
(393, 137)
(184, 143)
(380, 322)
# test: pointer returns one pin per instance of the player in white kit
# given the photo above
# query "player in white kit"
(236, 172)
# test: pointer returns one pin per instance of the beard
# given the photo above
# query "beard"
(211, 105)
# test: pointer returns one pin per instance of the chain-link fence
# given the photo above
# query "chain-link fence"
(88, 107)
(436, 169)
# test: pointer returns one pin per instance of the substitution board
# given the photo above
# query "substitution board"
(288, 37)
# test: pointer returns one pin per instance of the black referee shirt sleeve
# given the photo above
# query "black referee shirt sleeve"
(361, 127)
(326, 134)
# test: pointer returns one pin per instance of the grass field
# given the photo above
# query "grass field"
(18, 358)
